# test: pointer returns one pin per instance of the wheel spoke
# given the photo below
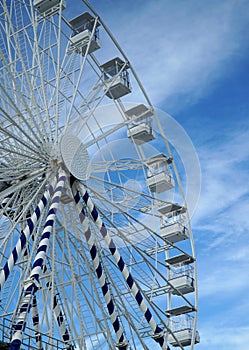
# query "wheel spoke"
(114, 268)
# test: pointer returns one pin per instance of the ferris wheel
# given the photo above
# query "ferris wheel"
(96, 247)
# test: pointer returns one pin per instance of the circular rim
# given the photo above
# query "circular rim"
(116, 183)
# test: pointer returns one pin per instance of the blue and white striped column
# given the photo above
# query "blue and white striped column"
(122, 343)
(58, 313)
(32, 284)
(18, 251)
(158, 333)
(5, 201)
(35, 320)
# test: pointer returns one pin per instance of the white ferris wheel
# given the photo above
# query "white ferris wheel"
(96, 248)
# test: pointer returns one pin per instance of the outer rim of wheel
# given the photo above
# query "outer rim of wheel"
(120, 104)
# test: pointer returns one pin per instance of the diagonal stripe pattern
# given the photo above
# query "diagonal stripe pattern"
(35, 319)
(5, 201)
(58, 312)
(32, 284)
(158, 333)
(122, 342)
(21, 243)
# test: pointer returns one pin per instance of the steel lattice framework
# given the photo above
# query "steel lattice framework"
(96, 245)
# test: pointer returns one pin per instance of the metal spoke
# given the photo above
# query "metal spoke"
(80, 273)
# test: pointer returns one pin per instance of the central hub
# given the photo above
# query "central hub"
(75, 156)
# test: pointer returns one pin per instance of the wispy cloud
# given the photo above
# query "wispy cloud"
(221, 232)
(220, 338)
(180, 48)
(224, 203)
(223, 286)
(222, 280)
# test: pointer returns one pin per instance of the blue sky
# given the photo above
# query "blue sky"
(192, 57)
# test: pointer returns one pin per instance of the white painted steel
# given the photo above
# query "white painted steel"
(55, 111)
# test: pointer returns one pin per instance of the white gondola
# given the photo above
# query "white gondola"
(159, 177)
(46, 5)
(182, 285)
(184, 337)
(140, 133)
(174, 232)
(171, 209)
(182, 280)
(83, 27)
(116, 78)
(182, 324)
(160, 182)
(180, 260)
(180, 310)
(140, 129)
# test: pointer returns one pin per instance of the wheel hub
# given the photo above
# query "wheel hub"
(75, 156)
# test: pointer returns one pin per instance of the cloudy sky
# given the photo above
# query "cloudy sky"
(192, 57)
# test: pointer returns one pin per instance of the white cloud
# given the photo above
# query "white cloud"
(221, 231)
(180, 47)
(224, 203)
(221, 280)
(238, 254)
(223, 302)
(220, 338)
